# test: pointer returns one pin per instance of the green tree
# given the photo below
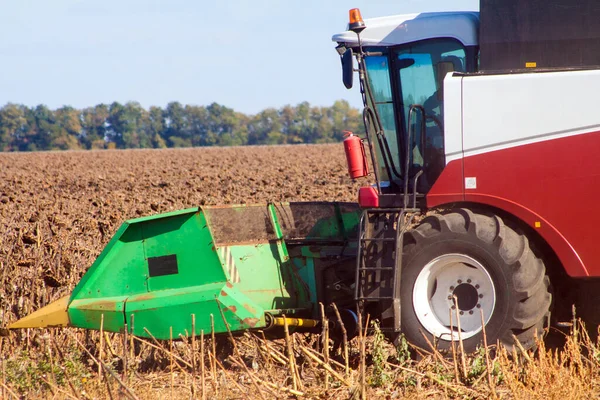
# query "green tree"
(324, 125)
(290, 124)
(222, 121)
(157, 127)
(132, 126)
(266, 128)
(129, 126)
(94, 126)
(115, 121)
(66, 130)
(239, 135)
(137, 133)
(306, 128)
(344, 118)
(12, 127)
(44, 121)
(176, 125)
(196, 129)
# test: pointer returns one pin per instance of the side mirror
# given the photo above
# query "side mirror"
(348, 68)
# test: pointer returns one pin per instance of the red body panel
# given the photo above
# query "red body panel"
(552, 185)
(368, 197)
(449, 187)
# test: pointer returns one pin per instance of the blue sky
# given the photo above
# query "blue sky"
(247, 55)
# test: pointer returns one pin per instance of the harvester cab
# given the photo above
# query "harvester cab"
(402, 62)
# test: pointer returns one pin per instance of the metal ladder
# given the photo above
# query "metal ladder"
(376, 254)
(379, 262)
(379, 259)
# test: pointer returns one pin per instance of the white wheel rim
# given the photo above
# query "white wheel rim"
(446, 277)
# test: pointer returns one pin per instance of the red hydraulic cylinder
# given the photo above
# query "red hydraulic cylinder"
(356, 156)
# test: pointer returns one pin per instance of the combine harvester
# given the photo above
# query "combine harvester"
(485, 124)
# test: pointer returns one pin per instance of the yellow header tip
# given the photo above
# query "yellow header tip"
(53, 315)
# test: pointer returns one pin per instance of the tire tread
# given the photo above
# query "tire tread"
(531, 285)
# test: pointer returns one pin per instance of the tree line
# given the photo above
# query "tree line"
(130, 125)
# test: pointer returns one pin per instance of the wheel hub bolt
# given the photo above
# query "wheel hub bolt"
(478, 305)
(459, 281)
(449, 297)
(471, 312)
(451, 287)
(468, 281)
(476, 286)
(481, 296)
(454, 307)
(462, 313)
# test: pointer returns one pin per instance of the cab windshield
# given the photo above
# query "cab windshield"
(411, 77)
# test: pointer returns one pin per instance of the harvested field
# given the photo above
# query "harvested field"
(58, 210)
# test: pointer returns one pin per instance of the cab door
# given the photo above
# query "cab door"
(420, 71)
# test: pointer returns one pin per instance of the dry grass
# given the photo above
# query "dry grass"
(66, 366)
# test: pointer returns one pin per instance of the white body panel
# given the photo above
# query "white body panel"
(453, 117)
(503, 111)
(400, 29)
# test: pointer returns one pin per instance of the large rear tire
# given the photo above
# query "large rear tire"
(484, 265)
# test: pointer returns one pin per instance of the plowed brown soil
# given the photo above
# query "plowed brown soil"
(58, 210)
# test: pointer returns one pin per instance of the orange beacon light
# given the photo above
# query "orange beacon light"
(356, 23)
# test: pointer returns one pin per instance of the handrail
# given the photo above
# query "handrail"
(409, 137)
